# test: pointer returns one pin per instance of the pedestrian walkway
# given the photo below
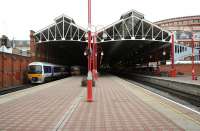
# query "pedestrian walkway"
(118, 106)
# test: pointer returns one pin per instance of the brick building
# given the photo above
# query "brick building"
(13, 64)
(184, 27)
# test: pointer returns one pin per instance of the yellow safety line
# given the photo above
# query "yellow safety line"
(164, 104)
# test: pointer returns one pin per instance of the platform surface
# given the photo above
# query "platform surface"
(182, 79)
(118, 106)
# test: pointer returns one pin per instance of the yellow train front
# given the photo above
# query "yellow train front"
(40, 72)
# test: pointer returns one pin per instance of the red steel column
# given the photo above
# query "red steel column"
(193, 70)
(173, 70)
(94, 55)
(89, 77)
(172, 51)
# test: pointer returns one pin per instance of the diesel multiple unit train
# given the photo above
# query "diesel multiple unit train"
(40, 72)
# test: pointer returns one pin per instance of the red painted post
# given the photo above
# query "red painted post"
(94, 55)
(173, 70)
(172, 51)
(89, 77)
(193, 70)
(93, 58)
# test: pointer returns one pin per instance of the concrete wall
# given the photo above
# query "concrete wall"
(183, 68)
(13, 70)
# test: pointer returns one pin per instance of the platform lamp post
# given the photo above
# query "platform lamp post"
(89, 75)
(94, 56)
(193, 69)
(173, 70)
(102, 54)
(104, 35)
(95, 53)
(164, 54)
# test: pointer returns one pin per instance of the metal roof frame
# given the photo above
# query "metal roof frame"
(64, 28)
(129, 28)
(133, 28)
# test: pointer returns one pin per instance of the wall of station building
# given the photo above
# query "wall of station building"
(13, 67)
(13, 70)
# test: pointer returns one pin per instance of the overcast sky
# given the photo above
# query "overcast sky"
(17, 17)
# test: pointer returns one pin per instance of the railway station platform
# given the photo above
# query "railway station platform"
(118, 106)
(182, 79)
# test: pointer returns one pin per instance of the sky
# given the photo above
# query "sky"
(18, 17)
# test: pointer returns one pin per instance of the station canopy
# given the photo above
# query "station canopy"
(63, 29)
(132, 39)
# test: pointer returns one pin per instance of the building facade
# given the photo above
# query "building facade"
(183, 28)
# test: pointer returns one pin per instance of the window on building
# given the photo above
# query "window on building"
(185, 22)
(181, 49)
(195, 21)
(175, 48)
(178, 49)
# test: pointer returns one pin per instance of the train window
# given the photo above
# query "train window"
(47, 69)
(56, 69)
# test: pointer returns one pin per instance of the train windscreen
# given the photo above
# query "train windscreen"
(35, 69)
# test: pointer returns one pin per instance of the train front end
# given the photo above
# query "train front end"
(35, 73)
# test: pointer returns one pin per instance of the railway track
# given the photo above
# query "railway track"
(175, 95)
(17, 88)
